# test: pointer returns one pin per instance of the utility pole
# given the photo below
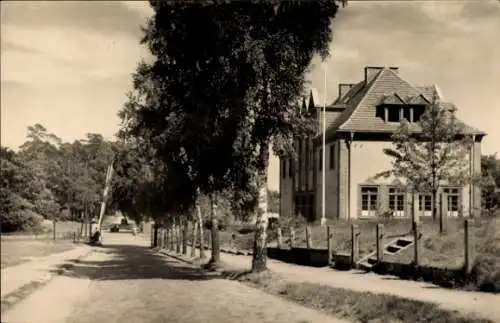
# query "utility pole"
(323, 157)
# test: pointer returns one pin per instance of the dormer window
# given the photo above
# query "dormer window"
(395, 108)
(398, 113)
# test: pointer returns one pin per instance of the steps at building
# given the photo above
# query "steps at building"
(392, 248)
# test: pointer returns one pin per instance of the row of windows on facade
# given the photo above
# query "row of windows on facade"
(288, 165)
(371, 196)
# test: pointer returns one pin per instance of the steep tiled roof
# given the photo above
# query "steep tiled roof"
(418, 99)
(392, 99)
(350, 94)
(361, 101)
(428, 91)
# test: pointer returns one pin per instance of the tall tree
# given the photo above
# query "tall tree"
(41, 153)
(222, 88)
(431, 155)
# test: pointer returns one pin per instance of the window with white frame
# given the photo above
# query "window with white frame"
(452, 199)
(397, 201)
(369, 200)
(425, 204)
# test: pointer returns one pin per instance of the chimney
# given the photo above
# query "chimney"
(343, 89)
(372, 71)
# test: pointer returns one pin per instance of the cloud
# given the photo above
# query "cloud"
(7, 46)
(108, 17)
(60, 56)
(462, 16)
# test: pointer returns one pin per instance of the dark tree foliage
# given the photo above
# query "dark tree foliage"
(51, 179)
(222, 88)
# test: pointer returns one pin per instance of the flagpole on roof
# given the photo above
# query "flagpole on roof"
(323, 157)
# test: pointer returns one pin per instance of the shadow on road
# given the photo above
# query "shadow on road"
(126, 262)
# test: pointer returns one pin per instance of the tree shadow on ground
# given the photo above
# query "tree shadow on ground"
(127, 262)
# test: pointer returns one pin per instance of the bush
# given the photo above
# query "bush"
(21, 221)
(486, 268)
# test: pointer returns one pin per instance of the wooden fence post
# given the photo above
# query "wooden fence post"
(355, 233)
(416, 242)
(443, 216)
(468, 246)
(380, 242)
(308, 237)
(292, 237)
(329, 242)
(280, 238)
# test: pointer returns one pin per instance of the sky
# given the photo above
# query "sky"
(67, 65)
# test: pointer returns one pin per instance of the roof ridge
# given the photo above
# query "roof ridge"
(370, 87)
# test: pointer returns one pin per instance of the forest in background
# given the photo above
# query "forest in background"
(47, 178)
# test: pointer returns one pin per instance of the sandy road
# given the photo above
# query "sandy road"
(127, 282)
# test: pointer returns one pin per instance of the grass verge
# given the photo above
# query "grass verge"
(362, 307)
(438, 250)
(486, 268)
(15, 252)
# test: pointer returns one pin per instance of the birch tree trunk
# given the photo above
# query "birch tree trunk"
(202, 235)
(167, 237)
(177, 230)
(185, 230)
(193, 236)
(172, 236)
(259, 258)
(215, 258)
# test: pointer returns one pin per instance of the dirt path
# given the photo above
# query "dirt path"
(482, 304)
(130, 283)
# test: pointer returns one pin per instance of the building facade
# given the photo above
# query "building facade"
(360, 123)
